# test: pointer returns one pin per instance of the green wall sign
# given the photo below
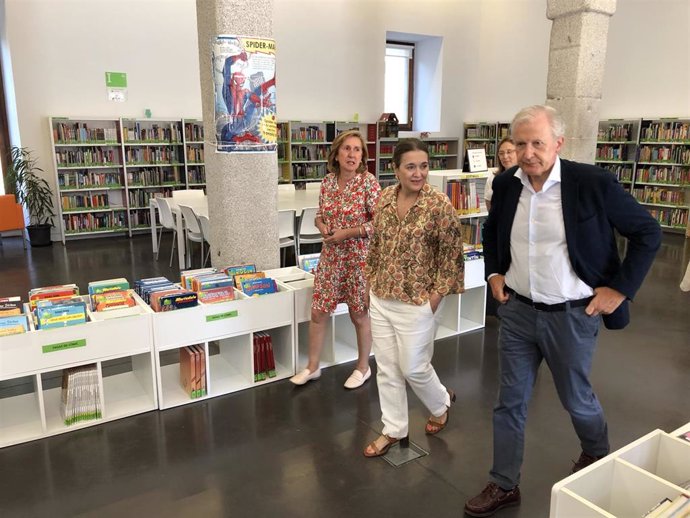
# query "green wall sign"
(116, 79)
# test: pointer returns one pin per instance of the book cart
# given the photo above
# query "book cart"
(627, 482)
(226, 333)
(121, 348)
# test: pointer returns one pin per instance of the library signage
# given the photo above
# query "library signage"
(51, 348)
(244, 94)
(221, 316)
(116, 86)
(477, 160)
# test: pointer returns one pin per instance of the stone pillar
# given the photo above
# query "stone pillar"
(242, 188)
(577, 59)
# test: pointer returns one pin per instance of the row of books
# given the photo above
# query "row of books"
(84, 201)
(244, 277)
(157, 176)
(438, 148)
(81, 395)
(309, 152)
(79, 132)
(666, 131)
(86, 157)
(481, 131)
(197, 175)
(672, 507)
(308, 134)
(264, 360)
(649, 194)
(678, 155)
(465, 196)
(77, 223)
(489, 147)
(12, 318)
(302, 171)
(195, 154)
(674, 175)
(152, 155)
(609, 152)
(193, 370)
(88, 180)
(624, 173)
(154, 133)
(671, 217)
(111, 295)
(194, 132)
(616, 132)
(162, 295)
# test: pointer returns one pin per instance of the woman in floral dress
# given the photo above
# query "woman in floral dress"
(346, 208)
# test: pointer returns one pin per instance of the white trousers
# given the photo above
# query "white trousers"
(403, 342)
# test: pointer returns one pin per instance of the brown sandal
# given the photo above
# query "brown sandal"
(390, 441)
(432, 426)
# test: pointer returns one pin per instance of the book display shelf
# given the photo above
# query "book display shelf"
(107, 170)
(443, 154)
(662, 177)
(486, 136)
(617, 148)
(121, 350)
(303, 148)
(226, 332)
(628, 482)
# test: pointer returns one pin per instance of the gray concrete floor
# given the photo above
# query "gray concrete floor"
(296, 452)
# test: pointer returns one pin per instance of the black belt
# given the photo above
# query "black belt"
(540, 306)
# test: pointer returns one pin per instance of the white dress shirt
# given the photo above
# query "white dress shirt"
(540, 266)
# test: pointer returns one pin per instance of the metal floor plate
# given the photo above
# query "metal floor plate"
(398, 456)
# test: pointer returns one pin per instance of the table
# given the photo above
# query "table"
(297, 201)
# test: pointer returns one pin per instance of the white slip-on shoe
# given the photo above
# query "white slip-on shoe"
(303, 376)
(357, 379)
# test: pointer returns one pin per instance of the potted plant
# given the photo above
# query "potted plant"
(33, 192)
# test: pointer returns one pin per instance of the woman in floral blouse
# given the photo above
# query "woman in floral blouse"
(415, 260)
(346, 207)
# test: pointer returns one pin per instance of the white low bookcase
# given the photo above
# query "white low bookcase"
(628, 482)
(36, 357)
(230, 327)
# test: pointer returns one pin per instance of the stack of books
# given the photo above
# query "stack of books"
(111, 294)
(81, 398)
(12, 319)
(264, 360)
(309, 262)
(251, 282)
(193, 370)
(210, 285)
(162, 295)
(50, 314)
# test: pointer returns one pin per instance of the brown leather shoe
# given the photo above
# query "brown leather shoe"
(584, 461)
(491, 499)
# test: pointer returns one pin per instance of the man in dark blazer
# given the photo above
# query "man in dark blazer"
(552, 263)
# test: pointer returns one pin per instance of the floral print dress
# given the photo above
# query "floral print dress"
(340, 274)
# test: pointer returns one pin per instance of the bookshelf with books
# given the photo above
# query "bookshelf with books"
(194, 153)
(486, 136)
(303, 148)
(226, 333)
(107, 170)
(88, 163)
(115, 354)
(617, 148)
(628, 482)
(662, 176)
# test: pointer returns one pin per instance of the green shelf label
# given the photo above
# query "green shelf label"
(221, 316)
(51, 348)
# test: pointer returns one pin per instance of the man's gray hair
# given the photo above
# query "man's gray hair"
(531, 112)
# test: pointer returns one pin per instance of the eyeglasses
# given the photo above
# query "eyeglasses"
(507, 152)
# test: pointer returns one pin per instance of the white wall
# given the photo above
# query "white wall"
(331, 58)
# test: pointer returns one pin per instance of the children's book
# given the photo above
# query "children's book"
(231, 271)
(10, 306)
(13, 325)
(260, 286)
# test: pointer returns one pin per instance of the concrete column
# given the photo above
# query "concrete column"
(577, 59)
(242, 188)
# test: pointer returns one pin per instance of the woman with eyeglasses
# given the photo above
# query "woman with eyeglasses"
(506, 159)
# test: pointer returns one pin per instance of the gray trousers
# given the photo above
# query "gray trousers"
(566, 340)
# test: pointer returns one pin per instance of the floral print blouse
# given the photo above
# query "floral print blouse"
(422, 254)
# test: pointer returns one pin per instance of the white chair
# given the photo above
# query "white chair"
(206, 232)
(308, 233)
(192, 230)
(167, 219)
(287, 188)
(286, 232)
(313, 186)
(187, 195)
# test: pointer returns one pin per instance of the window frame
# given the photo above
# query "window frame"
(410, 83)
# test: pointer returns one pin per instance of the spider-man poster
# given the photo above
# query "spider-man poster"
(245, 94)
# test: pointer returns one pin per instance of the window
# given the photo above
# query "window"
(399, 82)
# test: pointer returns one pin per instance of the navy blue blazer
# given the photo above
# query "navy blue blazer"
(594, 204)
